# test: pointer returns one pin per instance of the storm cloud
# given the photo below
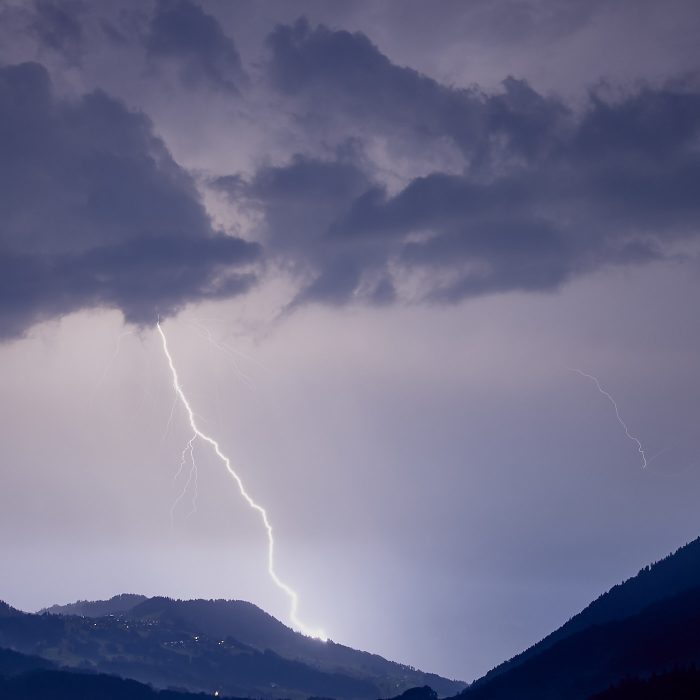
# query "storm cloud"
(343, 77)
(96, 213)
(546, 192)
(181, 32)
(398, 188)
(58, 27)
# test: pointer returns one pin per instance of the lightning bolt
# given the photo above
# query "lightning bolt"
(290, 592)
(607, 395)
(193, 474)
(170, 419)
(227, 350)
(183, 458)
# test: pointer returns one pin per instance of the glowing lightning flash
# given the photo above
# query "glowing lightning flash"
(617, 413)
(294, 598)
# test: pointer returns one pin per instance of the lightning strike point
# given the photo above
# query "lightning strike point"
(290, 592)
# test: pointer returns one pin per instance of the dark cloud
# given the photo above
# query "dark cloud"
(342, 76)
(95, 212)
(537, 191)
(58, 27)
(301, 202)
(546, 192)
(303, 198)
(182, 32)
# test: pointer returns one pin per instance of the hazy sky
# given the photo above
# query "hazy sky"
(379, 235)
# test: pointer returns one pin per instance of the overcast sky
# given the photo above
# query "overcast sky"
(379, 235)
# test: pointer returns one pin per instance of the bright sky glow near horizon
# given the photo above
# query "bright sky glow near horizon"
(378, 237)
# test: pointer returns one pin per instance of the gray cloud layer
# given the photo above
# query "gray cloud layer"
(545, 192)
(182, 31)
(58, 27)
(95, 212)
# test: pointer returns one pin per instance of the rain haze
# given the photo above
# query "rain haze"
(379, 237)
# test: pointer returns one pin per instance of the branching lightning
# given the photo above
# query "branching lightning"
(227, 350)
(607, 395)
(170, 418)
(183, 457)
(291, 593)
(192, 476)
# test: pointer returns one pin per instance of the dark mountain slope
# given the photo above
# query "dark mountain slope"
(69, 685)
(219, 618)
(30, 679)
(13, 663)
(255, 628)
(7, 611)
(663, 636)
(231, 645)
(98, 608)
(167, 655)
(674, 574)
(679, 684)
(25, 677)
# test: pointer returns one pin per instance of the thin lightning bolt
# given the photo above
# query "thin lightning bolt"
(640, 448)
(193, 474)
(170, 418)
(291, 593)
(195, 493)
(183, 458)
(233, 354)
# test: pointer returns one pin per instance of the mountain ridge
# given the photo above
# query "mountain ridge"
(233, 644)
(97, 608)
(25, 677)
(674, 573)
(642, 626)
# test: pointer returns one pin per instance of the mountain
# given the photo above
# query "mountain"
(675, 573)
(204, 645)
(32, 678)
(13, 663)
(648, 624)
(6, 611)
(639, 640)
(679, 684)
(98, 608)
(25, 677)
(664, 635)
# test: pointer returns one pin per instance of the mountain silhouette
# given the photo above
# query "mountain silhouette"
(679, 684)
(25, 677)
(98, 608)
(673, 574)
(639, 640)
(12, 663)
(232, 647)
(648, 624)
